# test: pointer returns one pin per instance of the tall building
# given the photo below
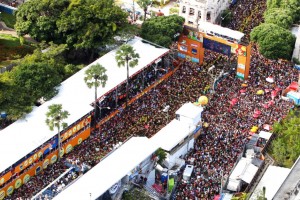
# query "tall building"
(196, 11)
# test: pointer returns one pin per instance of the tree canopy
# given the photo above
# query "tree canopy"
(292, 5)
(84, 24)
(274, 42)
(286, 147)
(33, 77)
(279, 16)
(161, 30)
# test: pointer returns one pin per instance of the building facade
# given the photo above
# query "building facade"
(196, 11)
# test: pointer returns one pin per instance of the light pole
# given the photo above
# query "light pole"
(221, 189)
(100, 108)
(166, 110)
(222, 18)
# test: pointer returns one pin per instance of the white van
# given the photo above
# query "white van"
(188, 172)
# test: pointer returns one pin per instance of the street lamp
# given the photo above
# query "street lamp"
(166, 110)
(222, 18)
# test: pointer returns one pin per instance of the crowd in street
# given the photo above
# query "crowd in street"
(228, 128)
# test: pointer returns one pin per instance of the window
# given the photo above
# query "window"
(208, 16)
(192, 11)
(183, 9)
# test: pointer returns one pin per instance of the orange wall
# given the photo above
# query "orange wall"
(50, 159)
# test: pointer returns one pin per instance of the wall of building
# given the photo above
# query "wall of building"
(197, 11)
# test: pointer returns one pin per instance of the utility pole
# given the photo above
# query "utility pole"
(133, 10)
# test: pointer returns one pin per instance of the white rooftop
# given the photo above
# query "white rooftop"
(271, 180)
(244, 170)
(189, 110)
(172, 134)
(109, 171)
(25, 135)
(206, 26)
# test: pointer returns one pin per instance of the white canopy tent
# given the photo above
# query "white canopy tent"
(244, 170)
(265, 135)
(109, 171)
(25, 135)
(189, 113)
(172, 134)
(271, 180)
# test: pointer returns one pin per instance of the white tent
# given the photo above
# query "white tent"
(25, 135)
(265, 135)
(189, 113)
(271, 180)
(109, 171)
(172, 134)
(244, 170)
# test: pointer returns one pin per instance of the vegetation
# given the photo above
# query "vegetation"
(292, 5)
(285, 149)
(174, 11)
(280, 17)
(12, 49)
(55, 119)
(226, 17)
(274, 42)
(161, 30)
(33, 77)
(83, 25)
(135, 194)
(8, 19)
(95, 77)
(161, 154)
(144, 5)
(127, 55)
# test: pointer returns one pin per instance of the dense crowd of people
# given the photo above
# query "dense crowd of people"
(217, 149)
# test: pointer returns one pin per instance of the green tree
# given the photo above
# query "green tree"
(33, 77)
(286, 147)
(37, 79)
(127, 55)
(161, 30)
(274, 42)
(292, 5)
(226, 17)
(55, 119)
(84, 24)
(273, 3)
(144, 5)
(13, 100)
(161, 154)
(94, 77)
(280, 17)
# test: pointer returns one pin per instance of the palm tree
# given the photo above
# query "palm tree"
(55, 117)
(95, 77)
(144, 5)
(126, 55)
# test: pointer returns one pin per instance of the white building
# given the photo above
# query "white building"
(196, 11)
